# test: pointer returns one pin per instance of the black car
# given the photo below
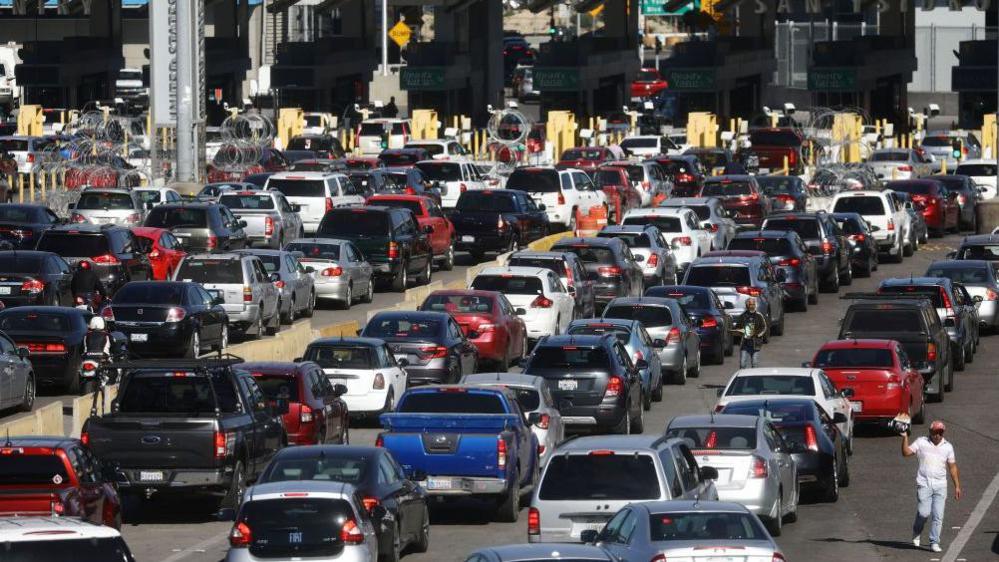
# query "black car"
(592, 380)
(968, 195)
(786, 193)
(324, 146)
(202, 227)
(296, 155)
(860, 236)
(497, 220)
(22, 224)
(328, 166)
(35, 278)
(609, 264)
(392, 241)
(714, 159)
(709, 315)
(376, 476)
(824, 240)
(54, 337)
(813, 438)
(686, 171)
(168, 318)
(429, 345)
(787, 253)
(117, 255)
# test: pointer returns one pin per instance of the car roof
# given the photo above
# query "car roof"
(961, 264)
(51, 528)
(541, 255)
(313, 451)
(465, 292)
(695, 505)
(762, 234)
(619, 228)
(83, 228)
(980, 239)
(655, 211)
(27, 253)
(643, 301)
(503, 378)
(357, 340)
(535, 552)
(771, 371)
(644, 442)
(560, 340)
(260, 252)
(515, 270)
(860, 343)
(588, 241)
(333, 488)
(732, 256)
(331, 241)
(860, 193)
(300, 175)
(729, 178)
(721, 420)
(412, 314)
(598, 322)
(684, 201)
(978, 161)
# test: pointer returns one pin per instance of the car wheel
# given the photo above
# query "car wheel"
(369, 295)
(448, 263)
(969, 352)
(274, 326)
(778, 328)
(844, 475)
(680, 376)
(514, 244)
(422, 543)
(647, 400)
(897, 258)
(792, 515)
(224, 339)
(389, 405)
(832, 483)
(237, 488)
(775, 523)
(847, 280)
(695, 371)
(730, 345)
(310, 308)
(508, 509)
(395, 551)
(348, 297)
(572, 223)
(638, 424)
(427, 273)
(657, 392)
(832, 283)
(29, 394)
(960, 361)
(290, 317)
(623, 427)
(194, 349)
(401, 279)
(908, 249)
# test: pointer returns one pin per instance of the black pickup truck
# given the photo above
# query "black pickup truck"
(187, 427)
(500, 220)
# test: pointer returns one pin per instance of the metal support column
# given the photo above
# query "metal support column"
(185, 98)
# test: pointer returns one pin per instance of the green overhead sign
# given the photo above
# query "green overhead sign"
(832, 79)
(556, 79)
(658, 8)
(691, 79)
(422, 78)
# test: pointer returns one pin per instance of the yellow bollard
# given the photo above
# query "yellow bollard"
(786, 167)
(894, 173)
(943, 166)
(31, 186)
(41, 182)
(353, 140)
(343, 140)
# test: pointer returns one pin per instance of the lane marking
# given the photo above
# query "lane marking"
(962, 538)
(201, 547)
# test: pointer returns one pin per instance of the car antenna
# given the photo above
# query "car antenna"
(8, 443)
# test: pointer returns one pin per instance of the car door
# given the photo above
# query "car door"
(440, 238)
(268, 430)
(91, 493)
(967, 310)
(466, 350)
(690, 486)
(558, 293)
(10, 383)
(781, 457)
(616, 538)
(514, 325)
(212, 316)
(293, 279)
(319, 386)
(63, 278)
(360, 269)
(291, 223)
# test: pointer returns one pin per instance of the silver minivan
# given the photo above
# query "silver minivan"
(108, 206)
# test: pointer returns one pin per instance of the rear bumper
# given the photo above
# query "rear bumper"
(466, 486)
(263, 241)
(813, 468)
(242, 316)
(54, 369)
(755, 495)
(331, 290)
(418, 375)
(166, 340)
(988, 313)
(373, 401)
(599, 417)
(481, 241)
(215, 481)
(30, 300)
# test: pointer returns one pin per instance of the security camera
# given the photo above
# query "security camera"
(767, 110)
(789, 108)
(934, 110)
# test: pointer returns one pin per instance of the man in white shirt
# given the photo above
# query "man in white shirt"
(936, 460)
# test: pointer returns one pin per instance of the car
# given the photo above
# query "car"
(585, 158)
(937, 204)
(674, 337)
(202, 227)
(375, 135)
(366, 366)
(409, 181)
(34, 278)
(637, 342)
(451, 179)
(593, 381)
(488, 320)
(714, 159)
(261, 527)
(738, 275)
(362, 163)
(565, 193)
(318, 123)
(537, 295)
(750, 384)
(107, 206)
(21, 225)
(523, 84)
(687, 172)
(648, 83)
(316, 193)
(316, 413)
(859, 235)
(165, 250)
(259, 181)
(153, 196)
(967, 196)
(539, 553)
(957, 310)
(569, 269)
(978, 247)
(900, 164)
(617, 187)
(812, 436)
(339, 270)
(680, 227)
(271, 221)
(368, 182)
(378, 480)
(390, 240)
(824, 240)
(440, 149)
(403, 157)
(295, 284)
(980, 279)
(614, 471)
(649, 248)
(919, 231)
(709, 316)
(982, 172)
(324, 165)
(787, 252)
(55, 340)
(774, 146)
(430, 346)
(609, 263)
(786, 193)
(115, 254)
(321, 145)
(25, 149)
(686, 530)
(53, 537)
(941, 146)
(250, 300)
(876, 376)
(502, 220)
(711, 215)
(647, 177)
(742, 198)
(212, 191)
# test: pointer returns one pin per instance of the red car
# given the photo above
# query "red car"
(403, 157)
(876, 376)
(584, 158)
(56, 475)
(772, 145)
(648, 83)
(165, 251)
(316, 413)
(427, 213)
(621, 193)
(940, 209)
(487, 319)
(362, 163)
(741, 196)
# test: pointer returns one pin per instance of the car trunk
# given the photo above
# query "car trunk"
(470, 322)
(40, 342)
(28, 501)
(865, 382)
(141, 312)
(13, 284)
(154, 441)
(575, 387)
(374, 248)
(358, 381)
(735, 467)
(417, 352)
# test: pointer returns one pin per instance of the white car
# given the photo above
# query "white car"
(371, 132)
(982, 172)
(452, 178)
(546, 304)
(315, 193)
(25, 150)
(712, 216)
(680, 227)
(54, 537)
(562, 192)
(366, 366)
(443, 149)
(789, 382)
(317, 123)
(894, 225)
(900, 164)
(648, 145)
(153, 196)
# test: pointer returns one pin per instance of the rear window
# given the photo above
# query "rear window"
(935, 294)
(861, 205)
(149, 293)
(399, 159)
(315, 251)
(772, 246)
(712, 159)
(372, 129)
(569, 356)
(675, 167)
(19, 214)
(779, 411)
(485, 201)
(177, 217)
(342, 356)
(413, 206)
(705, 526)
(977, 252)
(889, 157)
(774, 138)
(722, 189)
(640, 142)
(271, 263)
(608, 177)
(458, 304)
(20, 263)
(589, 254)
(631, 239)
(170, 394)
(688, 299)
(583, 154)
(360, 180)
(296, 527)
(13, 145)
(278, 386)
(600, 477)
(451, 403)
(716, 437)
(105, 200)
(298, 188)
(527, 398)
(623, 334)
(32, 470)
(774, 185)
(715, 276)
(648, 316)
(403, 328)
(771, 384)
(77, 550)
(440, 171)
(534, 181)
(976, 170)
(936, 140)
(854, 358)
(552, 264)
(211, 271)
(645, 76)
(508, 284)
(852, 226)
(664, 223)
(352, 470)
(883, 319)
(966, 275)
(354, 223)
(71, 245)
(14, 320)
(807, 229)
(247, 201)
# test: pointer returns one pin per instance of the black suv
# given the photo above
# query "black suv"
(202, 227)
(788, 253)
(392, 241)
(913, 322)
(609, 264)
(860, 235)
(22, 224)
(593, 382)
(118, 256)
(824, 240)
(497, 219)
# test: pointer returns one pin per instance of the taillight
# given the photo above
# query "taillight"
(350, 533)
(759, 467)
(544, 422)
(268, 226)
(792, 262)
(379, 382)
(792, 158)
(462, 187)
(33, 286)
(946, 301)
(393, 250)
(175, 314)
(542, 302)
(483, 328)
(674, 335)
(329, 204)
(154, 255)
(247, 294)
(370, 502)
(615, 386)
(653, 260)
(212, 243)
(304, 414)
(931, 352)
(219, 445)
(133, 218)
(77, 217)
(682, 241)
(88, 366)
(811, 439)
(827, 248)
(433, 352)
(709, 322)
(684, 178)
(858, 237)
(279, 284)
(891, 224)
(533, 521)
(561, 198)
(991, 295)
(609, 271)
(905, 168)
(712, 228)
(751, 291)
(85, 438)
(107, 314)
(778, 557)
(45, 347)
(106, 259)
(501, 453)
(500, 223)
(336, 271)
(379, 441)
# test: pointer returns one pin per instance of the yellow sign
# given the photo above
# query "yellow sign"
(400, 33)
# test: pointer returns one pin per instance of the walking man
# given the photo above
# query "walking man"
(754, 329)
(936, 460)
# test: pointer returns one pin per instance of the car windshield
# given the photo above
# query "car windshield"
(726, 189)
(271, 263)
(70, 244)
(508, 284)
(403, 328)
(772, 246)
(705, 526)
(149, 293)
(370, 129)
(14, 262)
(688, 299)
(77, 550)
(440, 171)
(883, 318)
(971, 252)
(599, 477)
(976, 170)
(779, 411)
(892, 156)
(622, 334)
(315, 251)
(278, 386)
(534, 180)
(774, 138)
(221, 271)
(854, 357)
(451, 401)
(333, 468)
(774, 185)
(32, 470)
(663, 222)
(250, 202)
(648, 316)
(676, 167)
(14, 320)
(631, 239)
(771, 384)
(716, 437)
(104, 200)
(853, 226)
(170, 394)
(569, 356)
(807, 229)
(296, 527)
(715, 276)
(360, 180)
(298, 188)
(342, 356)
(583, 154)
(354, 223)
(177, 217)
(485, 202)
(458, 304)
(932, 292)
(969, 275)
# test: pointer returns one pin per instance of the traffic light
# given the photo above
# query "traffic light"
(552, 30)
(956, 149)
(385, 139)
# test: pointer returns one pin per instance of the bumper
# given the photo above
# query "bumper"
(240, 316)
(54, 369)
(887, 243)
(932, 380)
(540, 324)
(813, 468)
(756, 495)
(166, 340)
(331, 290)
(386, 269)
(604, 292)
(988, 313)
(349, 553)
(599, 417)
(795, 291)
(671, 357)
(481, 241)
(30, 300)
(561, 216)
(310, 226)
(373, 401)
(180, 479)
(710, 337)
(424, 375)
(464, 486)
(261, 241)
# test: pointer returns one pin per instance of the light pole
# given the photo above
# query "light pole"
(384, 37)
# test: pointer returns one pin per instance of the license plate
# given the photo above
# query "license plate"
(857, 406)
(151, 476)
(764, 171)
(140, 337)
(438, 483)
(568, 384)
(468, 239)
(5, 290)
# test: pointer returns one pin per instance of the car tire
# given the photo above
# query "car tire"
(680, 375)
(775, 524)
(237, 488)
(844, 475)
(274, 326)
(623, 427)
(28, 402)
(427, 273)
(792, 515)
(194, 345)
(960, 363)
(503, 365)
(477, 255)
(831, 493)
(730, 345)
(310, 309)
(778, 328)
(369, 295)
(389, 405)
(422, 542)
(638, 424)
(401, 279)
(847, 280)
(394, 552)
(657, 392)
(908, 249)
(290, 317)
(508, 509)
(897, 258)
(223, 339)
(514, 244)
(831, 284)
(647, 400)
(448, 263)
(695, 371)
(348, 297)
(718, 357)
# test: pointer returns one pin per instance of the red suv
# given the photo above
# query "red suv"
(56, 476)
(316, 413)
(741, 196)
(621, 193)
(487, 319)
(877, 377)
(427, 213)
(647, 84)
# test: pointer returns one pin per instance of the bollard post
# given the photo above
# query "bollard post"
(943, 166)
(41, 183)
(894, 173)
(786, 168)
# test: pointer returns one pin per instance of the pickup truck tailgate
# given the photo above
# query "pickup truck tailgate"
(446, 444)
(154, 442)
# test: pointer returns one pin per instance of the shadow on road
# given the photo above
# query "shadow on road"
(463, 512)
(897, 545)
(178, 511)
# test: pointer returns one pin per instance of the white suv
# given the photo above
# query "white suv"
(982, 172)
(680, 227)
(562, 192)
(537, 294)
(452, 178)
(443, 149)
(316, 193)
(893, 223)
(60, 538)
(370, 133)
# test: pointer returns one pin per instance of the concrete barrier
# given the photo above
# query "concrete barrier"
(418, 294)
(346, 329)
(545, 244)
(81, 408)
(456, 285)
(46, 420)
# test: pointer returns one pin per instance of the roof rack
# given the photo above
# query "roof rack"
(887, 296)
(203, 364)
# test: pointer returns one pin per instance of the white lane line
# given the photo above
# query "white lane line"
(962, 538)
(196, 549)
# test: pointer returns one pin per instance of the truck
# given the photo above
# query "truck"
(465, 441)
(771, 145)
(187, 427)
(271, 221)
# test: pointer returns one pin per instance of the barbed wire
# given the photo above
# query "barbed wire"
(244, 138)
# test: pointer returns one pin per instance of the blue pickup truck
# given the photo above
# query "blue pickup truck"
(465, 441)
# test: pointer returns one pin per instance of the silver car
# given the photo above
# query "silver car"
(687, 530)
(18, 390)
(294, 282)
(611, 471)
(940, 144)
(755, 467)
(108, 206)
(637, 342)
(981, 280)
(539, 553)
(340, 271)
(673, 335)
(712, 216)
(278, 521)
(533, 396)
(649, 248)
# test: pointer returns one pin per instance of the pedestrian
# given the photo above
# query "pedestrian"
(936, 460)
(754, 329)
(390, 109)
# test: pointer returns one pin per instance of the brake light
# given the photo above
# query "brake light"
(219, 445)
(684, 178)
(533, 521)
(811, 439)
(77, 217)
(760, 467)
(393, 250)
(32, 286)
(106, 259)
(682, 241)
(752, 196)
(545, 421)
(463, 188)
(279, 284)
(709, 322)
(542, 302)
(615, 386)
(335, 271)
(329, 204)
(88, 366)
(712, 227)
(653, 260)
(931, 352)
(500, 223)
(379, 441)
(500, 453)
(212, 243)
(991, 295)
(247, 294)
(85, 438)
(891, 224)
(609, 271)
(370, 502)
(674, 335)
(827, 248)
(154, 255)
(45, 347)
(751, 291)
(561, 198)
(433, 352)
(379, 382)
(858, 237)
(350, 533)
(305, 414)
(483, 328)
(792, 158)
(175, 314)
(268, 226)
(946, 302)
(792, 262)
(905, 168)
(107, 314)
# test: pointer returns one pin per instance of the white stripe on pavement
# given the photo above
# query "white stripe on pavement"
(196, 549)
(954, 550)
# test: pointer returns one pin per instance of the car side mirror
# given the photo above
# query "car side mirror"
(847, 393)
(274, 277)
(296, 208)
(339, 390)
(571, 289)
(641, 364)
(310, 269)
(839, 417)
(949, 323)
(977, 298)
(589, 536)
(378, 512)
(520, 311)
(23, 352)
(542, 206)
(639, 258)
(534, 418)
(659, 343)
(403, 362)
(708, 473)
